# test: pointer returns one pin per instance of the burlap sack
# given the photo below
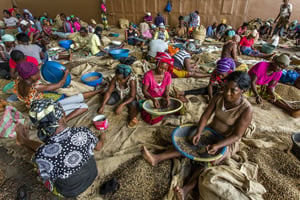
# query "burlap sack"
(199, 33)
(124, 23)
(105, 40)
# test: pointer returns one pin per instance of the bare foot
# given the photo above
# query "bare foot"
(177, 92)
(22, 134)
(149, 157)
(296, 113)
(268, 57)
(180, 193)
(133, 122)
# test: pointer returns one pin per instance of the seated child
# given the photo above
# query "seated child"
(123, 89)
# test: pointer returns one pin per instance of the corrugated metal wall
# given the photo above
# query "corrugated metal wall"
(235, 11)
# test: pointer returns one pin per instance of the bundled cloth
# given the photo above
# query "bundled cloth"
(9, 121)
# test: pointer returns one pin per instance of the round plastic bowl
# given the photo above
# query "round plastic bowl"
(182, 141)
(296, 145)
(65, 44)
(267, 48)
(8, 88)
(53, 72)
(114, 34)
(92, 82)
(175, 106)
(100, 122)
(118, 53)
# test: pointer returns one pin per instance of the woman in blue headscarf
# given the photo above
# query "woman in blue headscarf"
(123, 89)
(216, 82)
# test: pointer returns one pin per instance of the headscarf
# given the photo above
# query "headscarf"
(224, 21)
(27, 11)
(283, 59)
(42, 19)
(254, 33)
(123, 69)
(161, 25)
(7, 38)
(164, 57)
(27, 69)
(236, 38)
(231, 33)
(148, 13)
(45, 114)
(190, 46)
(225, 64)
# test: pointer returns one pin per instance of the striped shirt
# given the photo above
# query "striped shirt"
(179, 58)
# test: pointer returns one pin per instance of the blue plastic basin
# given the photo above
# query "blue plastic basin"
(118, 53)
(65, 44)
(92, 82)
(53, 72)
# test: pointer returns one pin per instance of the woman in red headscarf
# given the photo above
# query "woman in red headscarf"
(156, 83)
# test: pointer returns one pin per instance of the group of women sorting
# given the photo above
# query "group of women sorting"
(67, 153)
(65, 157)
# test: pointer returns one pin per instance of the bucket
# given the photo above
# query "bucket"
(100, 122)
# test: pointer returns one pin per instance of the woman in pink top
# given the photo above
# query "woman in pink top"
(156, 83)
(242, 29)
(246, 46)
(264, 78)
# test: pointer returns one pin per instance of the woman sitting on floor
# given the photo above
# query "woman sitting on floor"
(132, 35)
(157, 83)
(264, 78)
(123, 89)
(216, 82)
(246, 46)
(182, 63)
(28, 87)
(232, 116)
(65, 161)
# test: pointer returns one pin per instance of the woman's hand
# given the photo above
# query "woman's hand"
(166, 102)
(212, 149)
(156, 103)
(196, 139)
(258, 99)
(101, 109)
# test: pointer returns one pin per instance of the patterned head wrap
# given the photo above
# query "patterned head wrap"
(165, 58)
(42, 19)
(231, 33)
(123, 69)
(7, 38)
(190, 46)
(225, 64)
(45, 114)
(27, 69)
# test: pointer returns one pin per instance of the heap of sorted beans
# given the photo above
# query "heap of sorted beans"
(139, 180)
